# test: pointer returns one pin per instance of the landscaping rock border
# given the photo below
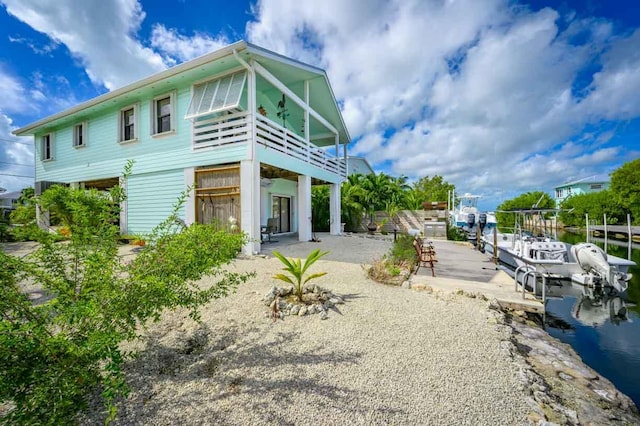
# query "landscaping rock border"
(319, 301)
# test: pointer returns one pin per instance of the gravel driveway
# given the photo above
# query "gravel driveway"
(388, 356)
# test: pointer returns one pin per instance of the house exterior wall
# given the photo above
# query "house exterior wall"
(105, 157)
(151, 197)
(162, 157)
(565, 191)
(269, 156)
(165, 164)
(282, 188)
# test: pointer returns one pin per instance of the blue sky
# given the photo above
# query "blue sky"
(499, 97)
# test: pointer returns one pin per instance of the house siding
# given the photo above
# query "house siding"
(151, 197)
(105, 157)
(565, 191)
(275, 158)
(283, 188)
(164, 165)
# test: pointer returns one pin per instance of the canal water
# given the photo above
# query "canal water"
(607, 337)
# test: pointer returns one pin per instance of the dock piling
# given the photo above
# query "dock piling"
(630, 236)
(604, 220)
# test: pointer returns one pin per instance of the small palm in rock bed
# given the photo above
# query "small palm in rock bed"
(297, 270)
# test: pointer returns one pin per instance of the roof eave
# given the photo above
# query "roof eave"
(31, 129)
(252, 48)
(194, 63)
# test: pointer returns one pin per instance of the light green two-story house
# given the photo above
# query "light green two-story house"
(251, 130)
(582, 186)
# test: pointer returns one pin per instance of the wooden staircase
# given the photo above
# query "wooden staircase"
(411, 219)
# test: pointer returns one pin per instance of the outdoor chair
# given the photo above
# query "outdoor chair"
(269, 229)
(425, 255)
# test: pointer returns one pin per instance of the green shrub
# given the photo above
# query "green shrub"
(403, 251)
(456, 234)
(53, 355)
(29, 232)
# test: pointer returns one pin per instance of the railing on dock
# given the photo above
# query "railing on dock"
(529, 270)
(620, 232)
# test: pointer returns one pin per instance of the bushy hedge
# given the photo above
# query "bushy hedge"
(54, 354)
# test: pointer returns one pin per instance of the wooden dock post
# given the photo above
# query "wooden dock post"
(630, 236)
(586, 215)
(495, 245)
(605, 232)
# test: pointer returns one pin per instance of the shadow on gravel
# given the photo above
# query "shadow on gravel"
(241, 370)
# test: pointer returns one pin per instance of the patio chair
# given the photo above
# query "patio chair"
(269, 229)
(425, 255)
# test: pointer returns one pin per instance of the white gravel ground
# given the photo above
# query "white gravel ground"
(390, 356)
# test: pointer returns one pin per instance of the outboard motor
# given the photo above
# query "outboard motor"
(471, 220)
(482, 222)
(592, 259)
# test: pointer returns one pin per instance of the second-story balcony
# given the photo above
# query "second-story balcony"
(240, 126)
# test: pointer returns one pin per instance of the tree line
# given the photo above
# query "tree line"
(362, 195)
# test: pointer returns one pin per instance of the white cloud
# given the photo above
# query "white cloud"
(40, 50)
(484, 93)
(102, 36)
(613, 94)
(13, 94)
(179, 48)
(16, 157)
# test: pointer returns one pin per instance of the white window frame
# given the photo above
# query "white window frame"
(136, 124)
(153, 116)
(42, 146)
(84, 135)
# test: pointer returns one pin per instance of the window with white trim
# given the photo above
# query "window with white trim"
(80, 135)
(128, 123)
(46, 147)
(163, 114)
(217, 95)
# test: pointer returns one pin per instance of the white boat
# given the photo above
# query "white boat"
(468, 217)
(585, 263)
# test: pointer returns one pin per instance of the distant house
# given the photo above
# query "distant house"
(8, 202)
(358, 165)
(250, 129)
(581, 186)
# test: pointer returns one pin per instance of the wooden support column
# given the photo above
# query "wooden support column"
(190, 201)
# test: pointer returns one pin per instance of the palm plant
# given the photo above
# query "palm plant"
(352, 209)
(297, 269)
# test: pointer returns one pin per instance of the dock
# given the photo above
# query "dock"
(620, 232)
(461, 267)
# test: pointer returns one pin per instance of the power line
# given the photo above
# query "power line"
(23, 176)
(15, 141)
(17, 164)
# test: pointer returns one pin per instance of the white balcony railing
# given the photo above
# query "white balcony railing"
(235, 127)
(222, 130)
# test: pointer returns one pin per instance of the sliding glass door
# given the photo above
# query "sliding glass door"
(281, 211)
